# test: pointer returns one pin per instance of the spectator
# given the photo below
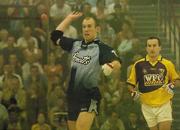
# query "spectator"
(132, 123)
(124, 43)
(116, 19)
(3, 38)
(14, 95)
(100, 10)
(3, 115)
(78, 5)
(124, 4)
(12, 49)
(13, 60)
(57, 114)
(36, 87)
(54, 94)
(22, 41)
(113, 123)
(17, 11)
(41, 124)
(32, 51)
(8, 74)
(53, 71)
(27, 65)
(14, 118)
(106, 33)
(59, 10)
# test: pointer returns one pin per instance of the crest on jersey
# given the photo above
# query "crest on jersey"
(114, 52)
(161, 71)
(144, 71)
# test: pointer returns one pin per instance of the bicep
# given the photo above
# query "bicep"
(172, 72)
(132, 79)
(108, 55)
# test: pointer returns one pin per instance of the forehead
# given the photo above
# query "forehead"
(88, 21)
(152, 42)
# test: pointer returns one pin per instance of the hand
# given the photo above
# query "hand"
(107, 69)
(74, 15)
(135, 95)
(67, 21)
(169, 88)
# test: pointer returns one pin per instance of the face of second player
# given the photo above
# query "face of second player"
(89, 29)
(153, 48)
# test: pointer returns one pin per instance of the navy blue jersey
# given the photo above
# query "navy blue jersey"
(87, 59)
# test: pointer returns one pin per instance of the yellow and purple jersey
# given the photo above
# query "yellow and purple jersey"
(150, 78)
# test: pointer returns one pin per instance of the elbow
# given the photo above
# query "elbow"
(56, 36)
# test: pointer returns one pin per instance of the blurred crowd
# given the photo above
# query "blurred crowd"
(34, 72)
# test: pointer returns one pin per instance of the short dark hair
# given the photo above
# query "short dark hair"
(92, 17)
(154, 37)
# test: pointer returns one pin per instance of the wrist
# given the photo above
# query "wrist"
(69, 19)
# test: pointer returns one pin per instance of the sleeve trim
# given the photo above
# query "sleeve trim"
(130, 84)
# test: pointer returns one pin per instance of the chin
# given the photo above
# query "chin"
(88, 40)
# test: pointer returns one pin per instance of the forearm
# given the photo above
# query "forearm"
(116, 66)
(177, 83)
(64, 24)
(131, 88)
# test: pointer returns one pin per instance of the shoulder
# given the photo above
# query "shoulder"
(167, 62)
(140, 61)
(35, 126)
(77, 42)
(104, 46)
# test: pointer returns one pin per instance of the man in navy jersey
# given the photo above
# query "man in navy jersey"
(89, 57)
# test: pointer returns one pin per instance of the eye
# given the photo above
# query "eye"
(154, 45)
(84, 26)
(149, 45)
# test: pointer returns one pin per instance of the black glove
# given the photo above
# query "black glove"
(135, 95)
(169, 88)
(56, 36)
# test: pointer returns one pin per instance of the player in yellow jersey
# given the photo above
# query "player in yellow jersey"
(154, 78)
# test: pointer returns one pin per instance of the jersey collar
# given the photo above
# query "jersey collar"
(85, 45)
(158, 59)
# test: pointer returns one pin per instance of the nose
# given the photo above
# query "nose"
(85, 28)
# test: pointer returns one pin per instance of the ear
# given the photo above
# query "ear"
(98, 29)
(146, 49)
(160, 48)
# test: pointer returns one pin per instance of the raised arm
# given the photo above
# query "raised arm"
(57, 37)
(67, 21)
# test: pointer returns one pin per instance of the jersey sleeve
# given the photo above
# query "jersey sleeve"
(107, 54)
(132, 79)
(65, 42)
(172, 72)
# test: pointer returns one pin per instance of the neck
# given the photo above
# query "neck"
(153, 59)
(89, 40)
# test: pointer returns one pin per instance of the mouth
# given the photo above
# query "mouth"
(152, 52)
(86, 34)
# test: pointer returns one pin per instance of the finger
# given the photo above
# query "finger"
(78, 13)
(73, 12)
